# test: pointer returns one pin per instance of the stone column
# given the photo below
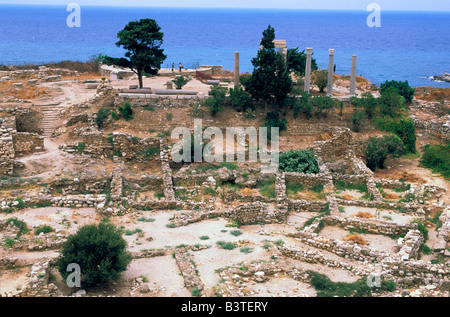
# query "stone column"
(353, 77)
(308, 69)
(236, 69)
(330, 72)
(285, 54)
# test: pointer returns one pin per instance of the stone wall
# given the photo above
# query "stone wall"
(123, 146)
(27, 143)
(82, 185)
(337, 147)
(368, 225)
(256, 212)
(38, 283)
(409, 245)
(7, 154)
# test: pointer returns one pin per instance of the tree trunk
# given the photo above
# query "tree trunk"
(141, 85)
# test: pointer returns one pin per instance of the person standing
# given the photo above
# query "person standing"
(180, 66)
(173, 67)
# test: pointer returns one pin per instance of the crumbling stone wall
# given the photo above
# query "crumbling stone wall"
(27, 143)
(123, 146)
(256, 212)
(7, 154)
(335, 148)
(409, 245)
(38, 284)
(369, 225)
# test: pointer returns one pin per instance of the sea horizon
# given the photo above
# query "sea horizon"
(405, 38)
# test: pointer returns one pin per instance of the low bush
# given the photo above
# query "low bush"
(217, 100)
(402, 87)
(299, 161)
(126, 112)
(240, 99)
(44, 229)
(100, 250)
(437, 158)
(378, 149)
(180, 81)
(102, 116)
(327, 288)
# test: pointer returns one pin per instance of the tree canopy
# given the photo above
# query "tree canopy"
(142, 41)
(270, 80)
(296, 61)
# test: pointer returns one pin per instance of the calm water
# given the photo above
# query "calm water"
(408, 46)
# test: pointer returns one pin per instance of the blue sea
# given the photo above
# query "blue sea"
(408, 46)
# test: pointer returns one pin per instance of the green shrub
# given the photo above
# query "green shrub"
(126, 111)
(196, 111)
(422, 228)
(320, 79)
(378, 149)
(250, 113)
(226, 245)
(246, 250)
(143, 219)
(148, 107)
(322, 105)
(388, 285)
(21, 225)
(402, 88)
(303, 105)
(267, 187)
(326, 288)
(44, 229)
(196, 292)
(403, 128)
(425, 249)
(236, 232)
(102, 116)
(20, 203)
(299, 161)
(217, 100)
(391, 103)
(240, 99)
(273, 120)
(357, 119)
(180, 81)
(437, 158)
(100, 250)
(367, 101)
(80, 147)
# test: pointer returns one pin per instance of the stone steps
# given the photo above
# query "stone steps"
(49, 121)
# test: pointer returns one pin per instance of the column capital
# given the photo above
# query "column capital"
(331, 51)
(309, 50)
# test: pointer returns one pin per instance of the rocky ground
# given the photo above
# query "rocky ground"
(175, 250)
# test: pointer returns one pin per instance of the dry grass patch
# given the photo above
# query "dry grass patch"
(25, 92)
(248, 191)
(364, 214)
(355, 239)
(348, 197)
(390, 196)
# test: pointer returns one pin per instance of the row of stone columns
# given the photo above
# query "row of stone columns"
(330, 72)
(308, 72)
